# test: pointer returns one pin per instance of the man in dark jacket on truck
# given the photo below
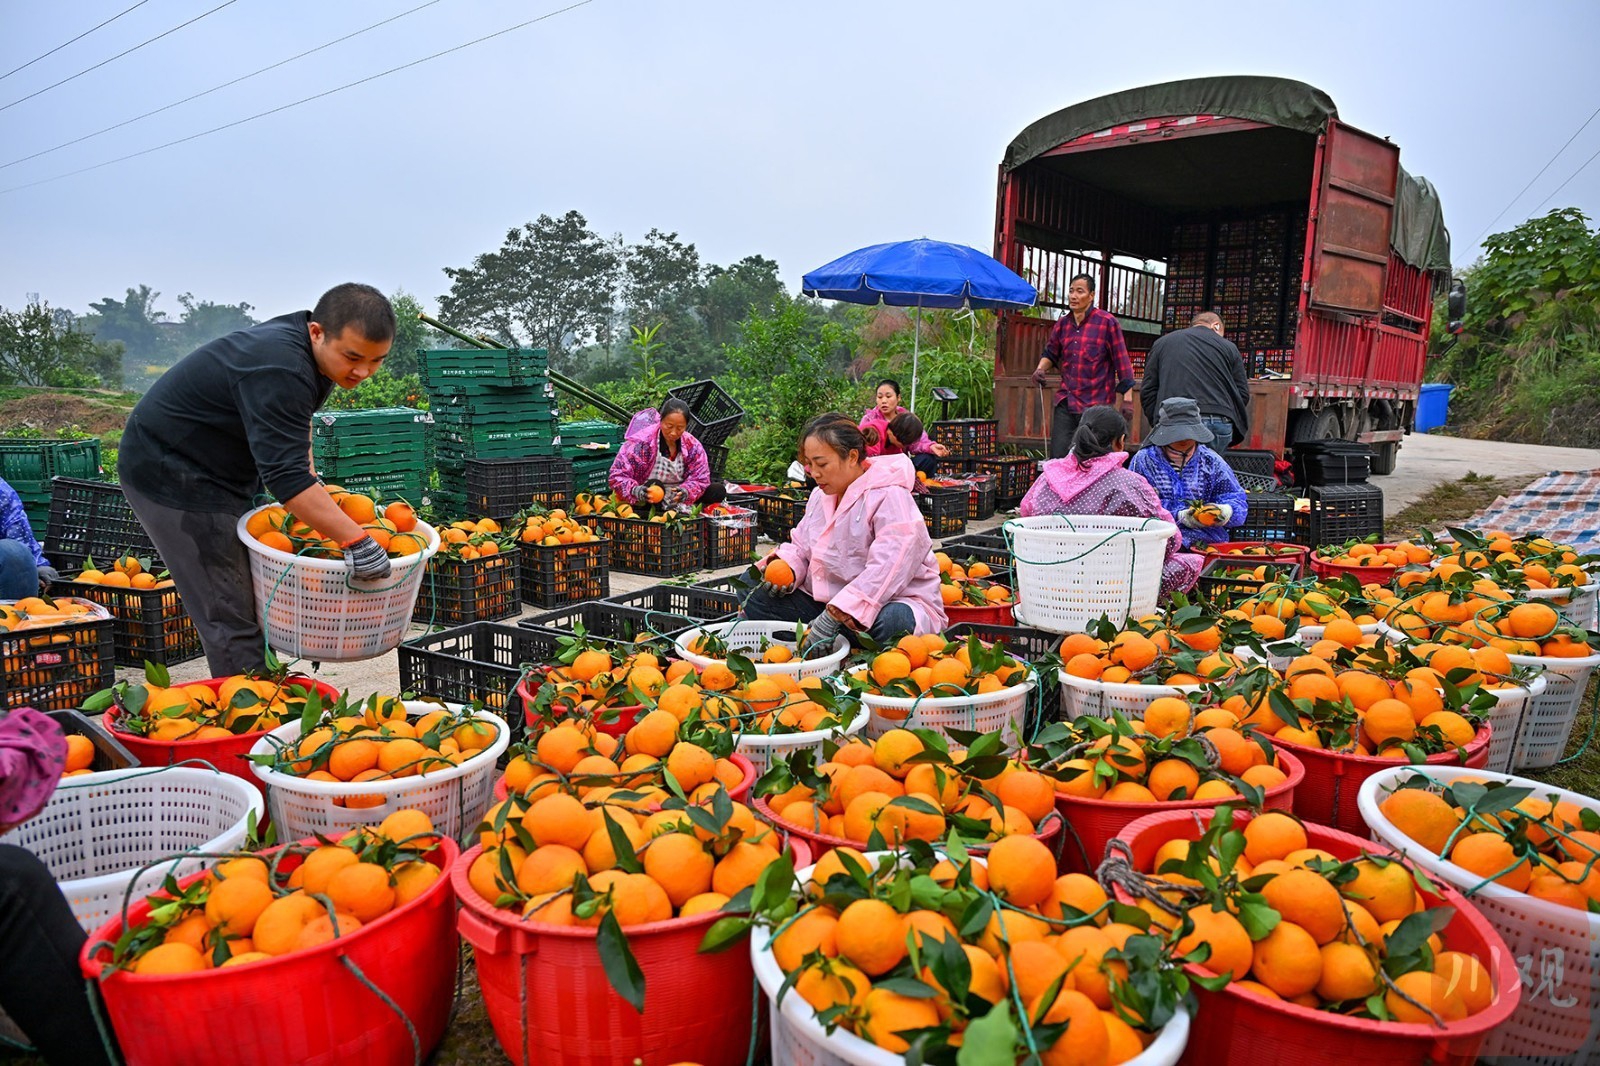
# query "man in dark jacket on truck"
(231, 417)
(1199, 362)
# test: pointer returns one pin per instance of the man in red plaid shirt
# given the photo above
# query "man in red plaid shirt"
(1095, 369)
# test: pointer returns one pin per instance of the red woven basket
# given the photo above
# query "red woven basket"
(997, 615)
(1366, 575)
(822, 843)
(1280, 551)
(625, 719)
(228, 754)
(309, 1008)
(549, 1000)
(1093, 823)
(1327, 795)
(1234, 1026)
(739, 793)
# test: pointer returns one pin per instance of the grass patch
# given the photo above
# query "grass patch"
(1449, 502)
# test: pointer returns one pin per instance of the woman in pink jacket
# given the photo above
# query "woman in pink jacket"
(658, 449)
(1092, 480)
(876, 427)
(861, 556)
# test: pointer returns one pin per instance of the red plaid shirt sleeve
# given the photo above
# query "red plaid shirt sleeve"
(1093, 359)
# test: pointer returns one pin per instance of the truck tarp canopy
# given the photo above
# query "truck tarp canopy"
(1418, 236)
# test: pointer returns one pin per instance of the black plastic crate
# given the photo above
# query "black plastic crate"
(56, 668)
(692, 602)
(991, 551)
(731, 538)
(108, 753)
(1030, 646)
(500, 488)
(985, 495)
(714, 416)
(456, 592)
(1343, 512)
(611, 623)
(661, 549)
(1332, 462)
(1268, 516)
(957, 466)
(778, 514)
(554, 575)
(148, 624)
(967, 436)
(92, 520)
(1224, 590)
(945, 512)
(1255, 461)
(736, 585)
(716, 460)
(1015, 474)
(482, 661)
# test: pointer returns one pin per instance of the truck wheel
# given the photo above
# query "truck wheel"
(1384, 457)
(1314, 425)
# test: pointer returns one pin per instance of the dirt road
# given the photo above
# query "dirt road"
(1427, 460)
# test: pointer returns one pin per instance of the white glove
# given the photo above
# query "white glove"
(1186, 519)
(1227, 512)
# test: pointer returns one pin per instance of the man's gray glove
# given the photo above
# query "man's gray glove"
(47, 577)
(1041, 378)
(367, 561)
(820, 636)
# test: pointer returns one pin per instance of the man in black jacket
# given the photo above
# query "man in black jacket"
(232, 417)
(1199, 362)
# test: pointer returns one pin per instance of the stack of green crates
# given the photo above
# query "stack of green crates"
(28, 465)
(487, 403)
(380, 453)
(591, 446)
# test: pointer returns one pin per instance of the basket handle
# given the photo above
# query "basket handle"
(484, 935)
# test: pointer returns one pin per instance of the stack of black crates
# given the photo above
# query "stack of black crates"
(714, 417)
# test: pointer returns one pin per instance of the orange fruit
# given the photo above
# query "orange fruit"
(871, 935)
(1423, 816)
(1272, 835)
(1021, 870)
(1287, 960)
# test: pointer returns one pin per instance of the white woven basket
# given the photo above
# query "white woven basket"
(312, 608)
(454, 799)
(983, 714)
(1582, 606)
(1547, 723)
(762, 748)
(1071, 569)
(98, 829)
(743, 635)
(1098, 699)
(1556, 1024)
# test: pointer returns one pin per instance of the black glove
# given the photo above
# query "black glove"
(820, 636)
(47, 577)
(367, 561)
(1041, 378)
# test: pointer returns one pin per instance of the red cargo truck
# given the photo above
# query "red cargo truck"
(1246, 196)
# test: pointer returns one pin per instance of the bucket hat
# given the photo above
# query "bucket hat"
(1179, 419)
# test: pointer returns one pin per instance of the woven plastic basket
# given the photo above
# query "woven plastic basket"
(982, 713)
(98, 829)
(798, 1039)
(762, 748)
(1558, 1021)
(454, 799)
(1547, 723)
(1071, 569)
(1581, 607)
(746, 636)
(1099, 699)
(312, 608)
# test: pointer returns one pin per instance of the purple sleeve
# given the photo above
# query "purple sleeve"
(1119, 355)
(1052, 344)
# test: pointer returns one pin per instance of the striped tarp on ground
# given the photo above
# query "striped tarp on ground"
(1564, 505)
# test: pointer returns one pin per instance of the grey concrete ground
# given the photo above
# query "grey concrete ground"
(1427, 459)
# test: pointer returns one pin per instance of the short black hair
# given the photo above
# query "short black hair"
(1097, 432)
(1086, 278)
(674, 406)
(891, 382)
(839, 432)
(358, 305)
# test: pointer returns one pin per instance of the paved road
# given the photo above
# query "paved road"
(1427, 460)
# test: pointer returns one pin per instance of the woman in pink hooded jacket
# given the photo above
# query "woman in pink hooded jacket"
(1091, 479)
(875, 424)
(861, 556)
(658, 449)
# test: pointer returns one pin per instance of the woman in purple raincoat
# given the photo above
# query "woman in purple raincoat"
(659, 450)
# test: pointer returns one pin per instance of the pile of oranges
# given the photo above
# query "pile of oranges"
(899, 788)
(393, 527)
(934, 665)
(1349, 937)
(555, 529)
(970, 585)
(376, 741)
(1538, 845)
(470, 539)
(127, 571)
(37, 612)
(874, 951)
(1147, 651)
(1538, 562)
(1307, 602)
(1361, 553)
(254, 908)
(1484, 616)
(174, 713)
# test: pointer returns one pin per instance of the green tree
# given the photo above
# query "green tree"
(45, 348)
(133, 321)
(734, 293)
(410, 335)
(205, 321)
(551, 285)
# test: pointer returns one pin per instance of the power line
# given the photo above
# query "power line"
(1539, 175)
(303, 100)
(1564, 184)
(119, 55)
(79, 37)
(216, 88)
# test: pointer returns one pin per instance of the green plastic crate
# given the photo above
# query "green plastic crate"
(507, 400)
(339, 423)
(388, 486)
(26, 460)
(607, 433)
(513, 366)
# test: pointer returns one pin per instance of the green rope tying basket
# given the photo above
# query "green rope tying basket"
(1071, 570)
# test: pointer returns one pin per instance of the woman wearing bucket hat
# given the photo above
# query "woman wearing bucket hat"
(1091, 479)
(1194, 482)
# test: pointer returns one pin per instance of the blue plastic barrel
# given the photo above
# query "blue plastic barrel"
(1433, 406)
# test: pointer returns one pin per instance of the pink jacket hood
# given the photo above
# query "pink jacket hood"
(1068, 477)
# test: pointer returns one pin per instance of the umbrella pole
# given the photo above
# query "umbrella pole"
(916, 353)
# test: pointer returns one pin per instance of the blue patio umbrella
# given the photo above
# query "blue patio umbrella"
(920, 273)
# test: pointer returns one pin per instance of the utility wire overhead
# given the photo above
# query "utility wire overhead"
(119, 55)
(303, 100)
(1539, 175)
(216, 88)
(79, 37)
(1564, 184)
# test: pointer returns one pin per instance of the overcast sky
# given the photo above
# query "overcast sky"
(794, 131)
